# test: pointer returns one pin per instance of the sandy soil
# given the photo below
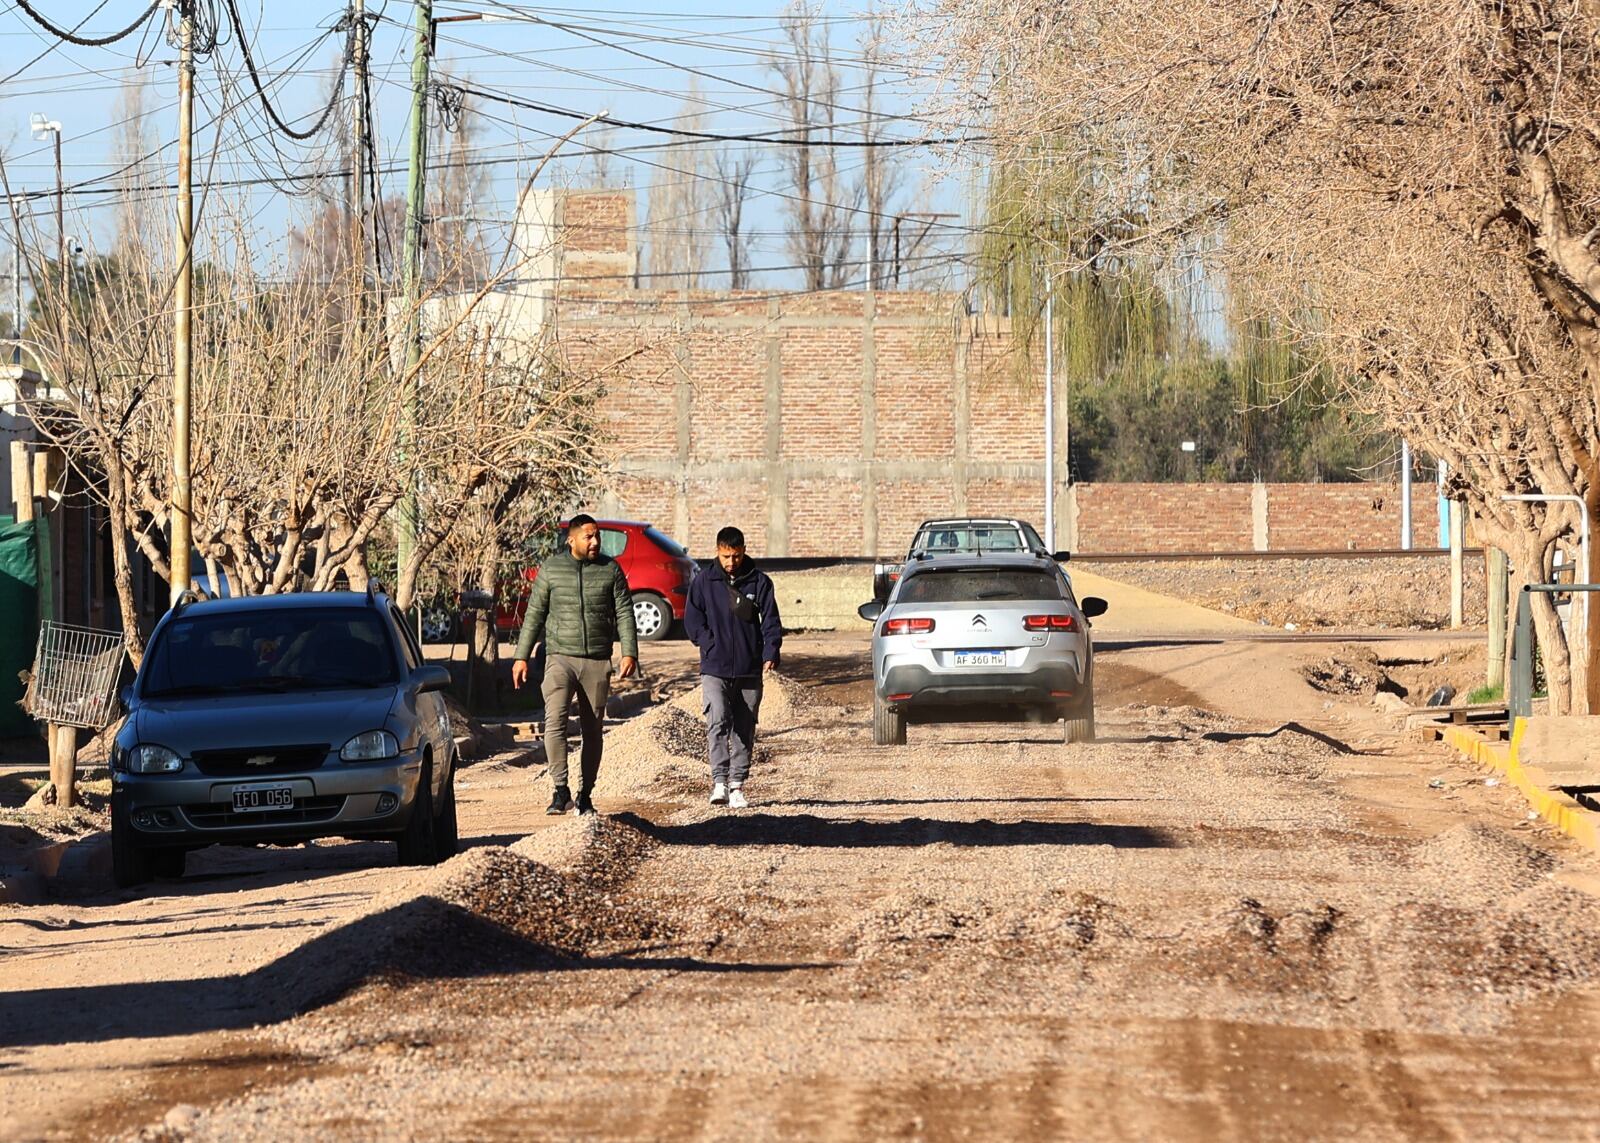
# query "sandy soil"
(1243, 913)
(1353, 594)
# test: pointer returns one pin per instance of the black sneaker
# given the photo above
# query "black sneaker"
(562, 802)
(585, 806)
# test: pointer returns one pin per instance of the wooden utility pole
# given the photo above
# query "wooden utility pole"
(358, 163)
(416, 185)
(181, 504)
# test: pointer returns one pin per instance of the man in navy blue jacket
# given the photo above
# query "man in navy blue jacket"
(732, 616)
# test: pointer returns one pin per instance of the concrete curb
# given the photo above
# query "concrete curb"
(1555, 807)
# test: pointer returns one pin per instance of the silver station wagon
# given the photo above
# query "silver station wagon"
(980, 638)
(281, 718)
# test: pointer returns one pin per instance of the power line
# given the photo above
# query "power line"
(347, 23)
(71, 36)
(709, 136)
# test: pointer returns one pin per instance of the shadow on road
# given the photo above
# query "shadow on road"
(828, 833)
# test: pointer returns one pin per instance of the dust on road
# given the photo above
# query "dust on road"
(1243, 913)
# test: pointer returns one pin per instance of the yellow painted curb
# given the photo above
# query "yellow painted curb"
(1553, 806)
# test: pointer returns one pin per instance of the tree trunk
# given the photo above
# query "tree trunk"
(483, 644)
(122, 569)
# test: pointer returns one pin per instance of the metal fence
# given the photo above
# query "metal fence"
(75, 673)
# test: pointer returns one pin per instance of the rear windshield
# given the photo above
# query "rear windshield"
(666, 543)
(1001, 538)
(270, 650)
(969, 584)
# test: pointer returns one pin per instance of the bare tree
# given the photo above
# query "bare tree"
(734, 170)
(1411, 187)
(680, 205)
(822, 200)
(880, 176)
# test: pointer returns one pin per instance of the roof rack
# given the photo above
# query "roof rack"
(375, 588)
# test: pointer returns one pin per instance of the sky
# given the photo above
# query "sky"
(636, 63)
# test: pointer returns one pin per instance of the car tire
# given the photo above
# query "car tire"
(888, 725)
(440, 624)
(1081, 727)
(446, 835)
(168, 862)
(130, 863)
(418, 844)
(652, 616)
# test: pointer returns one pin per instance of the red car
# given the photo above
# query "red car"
(658, 570)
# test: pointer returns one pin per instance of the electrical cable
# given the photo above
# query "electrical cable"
(70, 34)
(711, 136)
(347, 23)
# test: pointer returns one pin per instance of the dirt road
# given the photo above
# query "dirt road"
(1243, 913)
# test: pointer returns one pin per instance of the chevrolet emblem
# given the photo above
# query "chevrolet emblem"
(259, 760)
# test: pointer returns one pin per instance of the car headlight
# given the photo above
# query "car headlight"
(369, 746)
(149, 759)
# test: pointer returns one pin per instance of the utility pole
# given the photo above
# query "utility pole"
(1049, 410)
(412, 273)
(358, 165)
(181, 506)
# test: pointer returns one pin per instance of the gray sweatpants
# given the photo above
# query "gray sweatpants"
(589, 681)
(731, 707)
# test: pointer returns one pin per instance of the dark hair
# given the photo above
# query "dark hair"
(730, 537)
(579, 521)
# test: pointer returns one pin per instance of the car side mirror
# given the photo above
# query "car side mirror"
(1092, 605)
(870, 610)
(430, 678)
(1061, 557)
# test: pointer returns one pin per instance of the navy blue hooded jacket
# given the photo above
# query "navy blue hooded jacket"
(732, 647)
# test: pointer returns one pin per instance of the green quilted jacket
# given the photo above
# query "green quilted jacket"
(579, 609)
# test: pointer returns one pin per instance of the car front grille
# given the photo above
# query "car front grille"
(306, 811)
(247, 763)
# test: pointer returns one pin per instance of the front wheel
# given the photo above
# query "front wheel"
(130, 863)
(888, 725)
(651, 616)
(447, 833)
(418, 844)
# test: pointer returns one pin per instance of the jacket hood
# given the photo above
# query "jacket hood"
(258, 718)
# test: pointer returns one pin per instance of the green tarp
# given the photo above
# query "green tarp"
(19, 619)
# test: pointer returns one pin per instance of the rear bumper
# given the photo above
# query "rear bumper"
(335, 800)
(1052, 683)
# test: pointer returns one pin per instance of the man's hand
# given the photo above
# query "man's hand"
(519, 674)
(769, 666)
(629, 665)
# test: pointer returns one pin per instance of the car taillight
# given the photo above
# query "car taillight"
(920, 625)
(1050, 623)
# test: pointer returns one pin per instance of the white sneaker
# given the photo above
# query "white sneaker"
(719, 794)
(736, 799)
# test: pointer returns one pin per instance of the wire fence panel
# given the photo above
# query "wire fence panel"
(75, 674)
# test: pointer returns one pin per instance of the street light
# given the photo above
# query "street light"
(52, 127)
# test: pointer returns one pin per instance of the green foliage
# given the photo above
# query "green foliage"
(1132, 364)
(1486, 694)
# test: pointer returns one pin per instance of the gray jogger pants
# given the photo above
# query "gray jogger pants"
(589, 681)
(731, 707)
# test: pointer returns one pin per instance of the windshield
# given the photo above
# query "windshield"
(966, 585)
(666, 543)
(967, 538)
(270, 650)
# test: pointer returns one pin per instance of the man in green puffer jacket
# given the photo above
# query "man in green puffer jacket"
(579, 606)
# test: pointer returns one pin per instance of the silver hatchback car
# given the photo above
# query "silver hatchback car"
(982, 638)
(281, 718)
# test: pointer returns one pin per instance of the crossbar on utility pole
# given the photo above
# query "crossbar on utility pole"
(416, 186)
(181, 506)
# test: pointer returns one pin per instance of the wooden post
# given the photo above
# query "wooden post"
(1458, 529)
(1498, 567)
(64, 763)
(22, 481)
